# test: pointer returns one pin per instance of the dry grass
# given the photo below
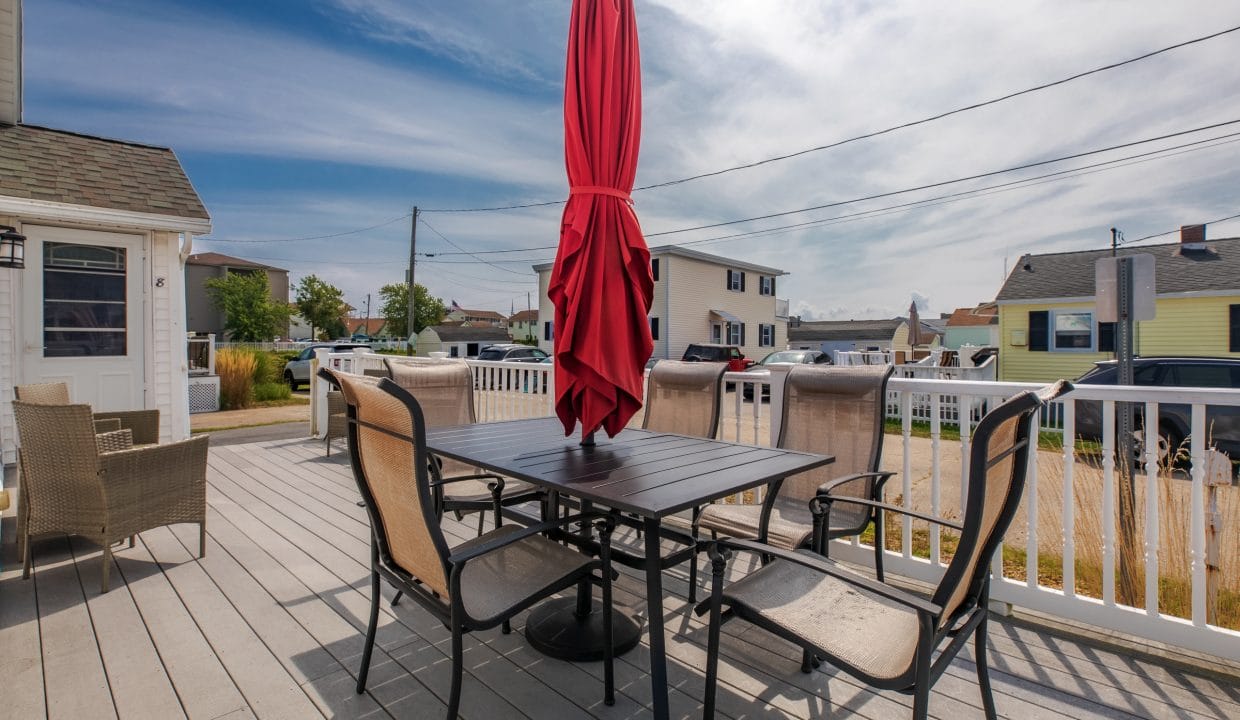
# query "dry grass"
(236, 370)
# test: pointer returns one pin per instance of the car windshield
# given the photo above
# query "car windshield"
(491, 354)
(784, 356)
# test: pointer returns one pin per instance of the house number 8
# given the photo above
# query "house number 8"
(159, 282)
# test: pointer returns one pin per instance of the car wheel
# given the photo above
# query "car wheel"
(290, 380)
(1169, 442)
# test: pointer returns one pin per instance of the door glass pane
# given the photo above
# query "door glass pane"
(84, 303)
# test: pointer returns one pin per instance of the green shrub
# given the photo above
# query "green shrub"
(271, 391)
(269, 367)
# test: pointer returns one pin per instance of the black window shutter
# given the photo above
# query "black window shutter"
(1106, 337)
(742, 287)
(727, 279)
(1234, 342)
(654, 328)
(1039, 330)
(547, 330)
(772, 286)
(742, 324)
(654, 269)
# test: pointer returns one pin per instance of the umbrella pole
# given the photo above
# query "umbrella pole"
(587, 439)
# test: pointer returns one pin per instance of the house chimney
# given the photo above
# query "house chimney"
(10, 62)
(1192, 237)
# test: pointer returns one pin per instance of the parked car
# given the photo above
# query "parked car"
(783, 357)
(1174, 420)
(512, 352)
(730, 354)
(297, 370)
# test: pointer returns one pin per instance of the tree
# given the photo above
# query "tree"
(250, 313)
(395, 309)
(320, 303)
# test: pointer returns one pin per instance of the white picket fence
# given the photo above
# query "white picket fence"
(1063, 491)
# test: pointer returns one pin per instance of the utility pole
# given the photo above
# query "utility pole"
(413, 245)
(367, 325)
(529, 318)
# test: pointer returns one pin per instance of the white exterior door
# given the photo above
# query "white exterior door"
(82, 316)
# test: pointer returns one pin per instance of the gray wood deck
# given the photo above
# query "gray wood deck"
(270, 623)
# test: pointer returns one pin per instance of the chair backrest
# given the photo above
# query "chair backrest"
(387, 446)
(59, 458)
(834, 411)
(377, 372)
(683, 397)
(997, 464)
(444, 389)
(43, 393)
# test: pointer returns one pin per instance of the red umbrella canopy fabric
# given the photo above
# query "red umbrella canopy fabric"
(601, 284)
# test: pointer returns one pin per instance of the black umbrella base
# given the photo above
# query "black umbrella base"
(554, 629)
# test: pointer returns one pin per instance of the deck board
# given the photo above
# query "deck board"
(270, 624)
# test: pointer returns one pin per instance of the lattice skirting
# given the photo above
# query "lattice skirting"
(204, 394)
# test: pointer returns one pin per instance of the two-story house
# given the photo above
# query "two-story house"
(699, 298)
(1047, 323)
(201, 314)
(475, 318)
(523, 325)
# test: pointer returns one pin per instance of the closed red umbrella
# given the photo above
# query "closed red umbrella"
(601, 284)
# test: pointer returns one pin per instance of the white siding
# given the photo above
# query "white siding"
(10, 289)
(10, 61)
(695, 287)
(168, 379)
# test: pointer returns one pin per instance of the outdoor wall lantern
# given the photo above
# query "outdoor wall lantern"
(12, 248)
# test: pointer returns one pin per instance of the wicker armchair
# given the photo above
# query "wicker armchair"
(476, 585)
(835, 411)
(143, 424)
(70, 486)
(445, 391)
(880, 634)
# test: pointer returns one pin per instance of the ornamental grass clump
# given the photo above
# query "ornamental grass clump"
(236, 371)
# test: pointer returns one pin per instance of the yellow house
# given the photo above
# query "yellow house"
(1047, 325)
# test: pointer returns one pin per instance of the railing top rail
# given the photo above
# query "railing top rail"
(1181, 395)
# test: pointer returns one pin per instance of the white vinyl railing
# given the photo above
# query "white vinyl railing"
(1067, 553)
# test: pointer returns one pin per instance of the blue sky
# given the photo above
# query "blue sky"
(306, 118)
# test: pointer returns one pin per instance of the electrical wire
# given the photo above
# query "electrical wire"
(875, 133)
(461, 249)
(1170, 232)
(313, 237)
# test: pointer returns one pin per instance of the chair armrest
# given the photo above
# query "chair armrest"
(459, 478)
(131, 476)
(825, 566)
(880, 478)
(883, 506)
(143, 423)
(486, 547)
(108, 425)
(114, 440)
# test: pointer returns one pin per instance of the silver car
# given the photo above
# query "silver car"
(297, 370)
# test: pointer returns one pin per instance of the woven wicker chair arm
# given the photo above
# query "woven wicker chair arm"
(129, 475)
(484, 548)
(825, 566)
(108, 425)
(114, 440)
(143, 423)
(887, 507)
(879, 478)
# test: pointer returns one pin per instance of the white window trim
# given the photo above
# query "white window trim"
(734, 281)
(766, 285)
(734, 333)
(766, 335)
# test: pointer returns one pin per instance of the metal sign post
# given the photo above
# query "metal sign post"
(1125, 294)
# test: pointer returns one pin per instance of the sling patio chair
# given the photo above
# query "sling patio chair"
(337, 423)
(834, 411)
(476, 585)
(70, 486)
(880, 634)
(682, 398)
(142, 424)
(445, 391)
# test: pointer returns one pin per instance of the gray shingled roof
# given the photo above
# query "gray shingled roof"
(456, 333)
(215, 259)
(826, 330)
(41, 164)
(1069, 275)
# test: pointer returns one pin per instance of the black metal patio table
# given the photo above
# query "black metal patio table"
(648, 474)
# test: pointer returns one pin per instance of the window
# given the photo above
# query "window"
(454, 351)
(766, 335)
(1233, 344)
(1207, 376)
(736, 333)
(471, 349)
(1064, 331)
(766, 285)
(1073, 331)
(654, 269)
(654, 328)
(84, 303)
(547, 331)
(716, 333)
(736, 281)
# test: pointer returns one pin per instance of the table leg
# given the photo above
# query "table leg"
(654, 600)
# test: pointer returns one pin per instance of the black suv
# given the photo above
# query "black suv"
(512, 352)
(730, 354)
(1174, 420)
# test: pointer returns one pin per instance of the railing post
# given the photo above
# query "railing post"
(779, 377)
(318, 395)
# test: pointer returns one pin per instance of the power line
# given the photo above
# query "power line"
(892, 193)
(458, 247)
(876, 133)
(1170, 232)
(313, 237)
